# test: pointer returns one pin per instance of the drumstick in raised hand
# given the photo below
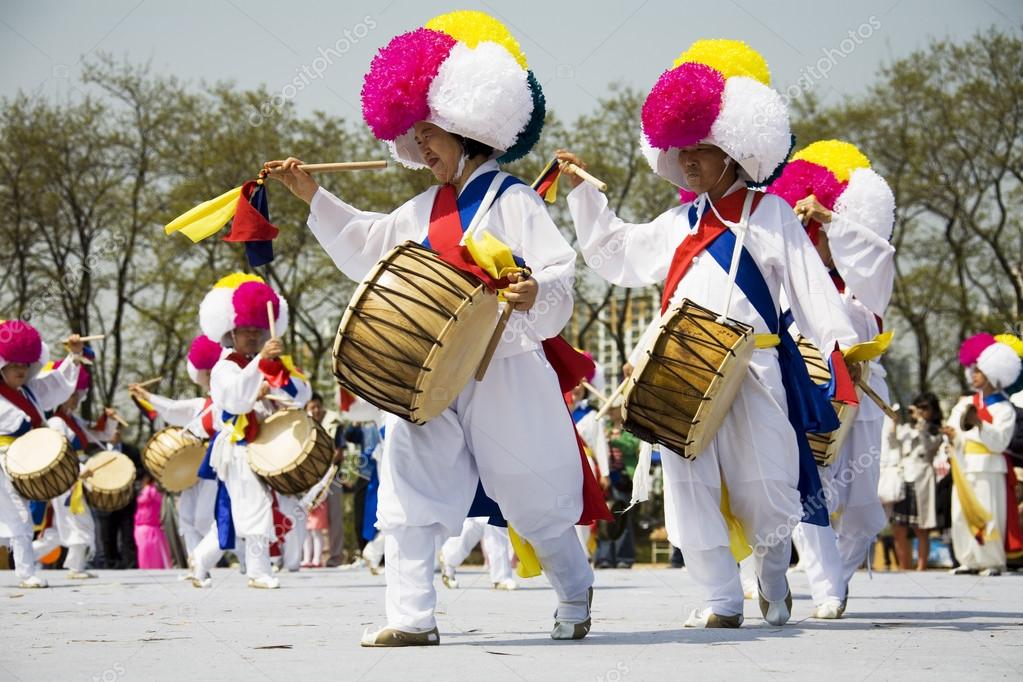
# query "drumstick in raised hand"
(611, 399)
(270, 316)
(149, 382)
(345, 166)
(576, 170)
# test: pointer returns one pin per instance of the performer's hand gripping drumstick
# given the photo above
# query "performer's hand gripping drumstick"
(575, 169)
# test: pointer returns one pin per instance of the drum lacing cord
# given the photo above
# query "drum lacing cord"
(418, 253)
(401, 272)
(387, 323)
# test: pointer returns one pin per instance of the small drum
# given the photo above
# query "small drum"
(684, 385)
(291, 453)
(173, 456)
(113, 485)
(42, 464)
(825, 446)
(413, 334)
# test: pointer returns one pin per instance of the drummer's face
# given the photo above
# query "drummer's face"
(15, 374)
(440, 150)
(248, 340)
(704, 167)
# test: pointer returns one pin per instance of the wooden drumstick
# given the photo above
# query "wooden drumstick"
(610, 400)
(270, 316)
(346, 166)
(93, 470)
(872, 394)
(593, 389)
(94, 337)
(150, 382)
(599, 184)
(119, 419)
(488, 355)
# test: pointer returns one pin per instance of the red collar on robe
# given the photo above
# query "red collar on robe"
(21, 401)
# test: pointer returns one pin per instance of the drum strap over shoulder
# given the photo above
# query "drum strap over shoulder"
(22, 401)
(809, 408)
(81, 439)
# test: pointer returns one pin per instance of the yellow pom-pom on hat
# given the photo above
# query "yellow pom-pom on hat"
(472, 28)
(841, 158)
(236, 279)
(1012, 341)
(729, 57)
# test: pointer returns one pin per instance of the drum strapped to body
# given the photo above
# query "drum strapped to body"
(173, 456)
(41, 464)
(826, 446)
(292, 453)
(112, 486)
(413, 334)
(685, 383)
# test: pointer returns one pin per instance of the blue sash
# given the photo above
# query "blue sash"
(222, 507)
(808, 405)
(581, 411)
(994, 398)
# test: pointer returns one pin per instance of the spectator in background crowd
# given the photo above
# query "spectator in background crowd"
(335, 502)
(150, 541)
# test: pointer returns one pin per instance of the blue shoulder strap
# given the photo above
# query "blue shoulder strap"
(471, 198)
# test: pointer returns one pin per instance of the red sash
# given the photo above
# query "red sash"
(252, 426)
(83, 440)
(730, 208)
(982, 410)
(1013, 532)
(21, 401)
(207, 417)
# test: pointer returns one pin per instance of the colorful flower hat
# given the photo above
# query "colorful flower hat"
(21, 343)
(239, 300)
(717, 92)
(1014, 342)
(839, 175)
(203, 355)
(463, 72)
(998, 359)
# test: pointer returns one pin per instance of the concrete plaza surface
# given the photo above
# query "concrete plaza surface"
(147, 625)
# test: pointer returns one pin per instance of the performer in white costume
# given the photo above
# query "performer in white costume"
(195, 504)
(496, 548)
(24, 400)
(849, 212)
(252, 366)
(455, 97)
(711, 125)
(74, 527)
(980, 428)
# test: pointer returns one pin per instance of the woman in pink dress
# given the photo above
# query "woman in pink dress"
(153, 550)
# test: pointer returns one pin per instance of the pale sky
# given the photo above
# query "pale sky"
(575, 48)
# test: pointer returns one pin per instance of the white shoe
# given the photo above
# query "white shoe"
(265, 582)
(776, 612)
(356, 565)
(989, 572)
(506, 584)
(449, 581)
(393, 637)
(830, 609)
(79, 575)
(201, 583)
(708, 619)
(574, 630)
(186, 576)
(33, 582)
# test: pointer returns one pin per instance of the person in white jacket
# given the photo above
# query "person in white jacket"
(196, 415)
(848, 211)
(251, 367)
(25, 398)
(711, 125)
(506, 430)
(979, 428)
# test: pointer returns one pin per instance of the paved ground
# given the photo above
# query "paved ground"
(144, 625)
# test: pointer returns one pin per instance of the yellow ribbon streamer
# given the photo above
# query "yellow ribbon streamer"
(289, 365)
(868, 350)
(238, 432)
(7, 440)
(529, 564)
(77, 504)
(737, 541)
(977, 517)
(492, 255)
(766, 340)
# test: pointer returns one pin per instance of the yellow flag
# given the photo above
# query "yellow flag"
(207, 218)
(238, 432)
(977, 517)
(868, 350)
(529, 564)
(492, 255)
(77, 504)
(289, 365)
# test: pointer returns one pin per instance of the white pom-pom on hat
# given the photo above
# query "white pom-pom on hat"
(1000, 364)
(216, 315)
(868, 202)
(753, 127)
(480, 93)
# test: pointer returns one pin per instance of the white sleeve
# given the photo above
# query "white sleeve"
(545, 251)
(233, 389)
(302, 391)
(997, 435)
(57, 386)
(176, 412)
(357, 240)
(11, 418)
(816, 305)
(626, 254)
(865, 261)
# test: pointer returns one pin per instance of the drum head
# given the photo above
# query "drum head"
(35, 451)
(113, 470)
(281, 441)
(180, 472)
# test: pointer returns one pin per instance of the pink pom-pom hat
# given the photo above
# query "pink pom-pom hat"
(972, 347)
(19, 343)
